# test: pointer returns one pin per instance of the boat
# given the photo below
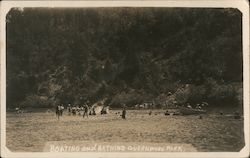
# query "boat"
(191, 111)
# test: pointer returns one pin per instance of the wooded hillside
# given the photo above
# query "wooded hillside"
(129, 55)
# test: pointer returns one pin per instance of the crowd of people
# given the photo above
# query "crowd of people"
(83, 110)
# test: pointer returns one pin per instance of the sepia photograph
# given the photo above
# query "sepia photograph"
(124, 79)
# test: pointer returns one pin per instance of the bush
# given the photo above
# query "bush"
(190, 93)
(129, 98)
(37, 101)
(182, 94)
(223, 94)
(211, 92)
(197, 94)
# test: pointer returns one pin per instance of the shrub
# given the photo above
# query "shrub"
(211, 92)
(197, 94)
(37, 101)
(129, 98)
(223, 94)
(182, 94)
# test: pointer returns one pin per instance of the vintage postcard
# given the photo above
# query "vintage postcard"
(125, 78)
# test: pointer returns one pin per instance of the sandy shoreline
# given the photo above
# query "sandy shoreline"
(31, 131)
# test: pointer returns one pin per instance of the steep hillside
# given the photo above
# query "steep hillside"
(129, 55)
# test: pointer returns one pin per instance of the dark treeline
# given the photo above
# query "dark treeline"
(128, 55)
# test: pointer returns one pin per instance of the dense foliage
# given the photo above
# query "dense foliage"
(129, 55)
